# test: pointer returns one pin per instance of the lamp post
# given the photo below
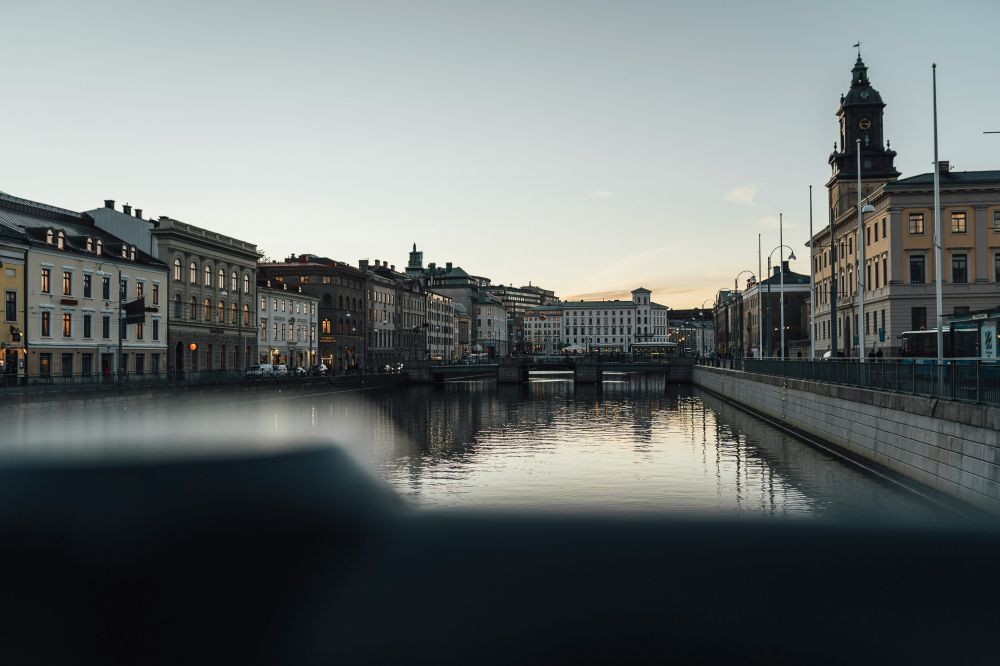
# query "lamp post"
(812, 293)
(938, 259)
(354, 330)
(702, 309)
(859, 264)
(781, 270)
(736, 288)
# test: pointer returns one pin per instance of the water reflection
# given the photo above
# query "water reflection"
(636, 445)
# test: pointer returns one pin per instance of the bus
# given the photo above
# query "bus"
(960, 343)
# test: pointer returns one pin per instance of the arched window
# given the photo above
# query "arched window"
(177, 306)
(209, 357)
(207, 306)
(177, 269)
(131, 253)
(100, 247)
(326, 327)
(222, 358)
(49, 235)
(327, 301)
(193, 273)
(221, 282)
(340, 327)
(234, 282)
(222, 312)
(124, 252)
(208, 276)
(90, 245)
(194, 308)
(246, 283)
(232, 313)
(340, 302)
(61, 241)
(246, 314)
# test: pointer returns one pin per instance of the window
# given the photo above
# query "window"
(10, 304)
(106, 288)
(140, 364)
(122, 288)
(996, 220)
(996, 267)
(207, 310)
(246, 314)
(67, 364)
(883, 227)
(88, 283)
(246, 283)
(100, 247)
(49, 236)
(87, 322)
(221, 280)
(139, 330)
(140, 289)
(155, 362)
(916, 223)
(868, 235)
(875, 284)
(46, 280)
(208, 276)
(222, 312)
(885, 269)
(177, 269)
(177, 306)
(61, 241)
(131, 253)
(958, 222)
(45, 364)
(959, 268)
(325, 327)
(46, 323)
(106, 326)
(233, 313)
(156, 294)
(234, 282)
(156, 329)
(193, 273)
(194, 308)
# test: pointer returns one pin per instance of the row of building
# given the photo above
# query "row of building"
(890, 259)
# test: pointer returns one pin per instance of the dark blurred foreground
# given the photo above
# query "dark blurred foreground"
(303, 559)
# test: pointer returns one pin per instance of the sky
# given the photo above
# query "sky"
(585, 147)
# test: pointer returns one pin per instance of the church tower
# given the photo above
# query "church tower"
(860, 116)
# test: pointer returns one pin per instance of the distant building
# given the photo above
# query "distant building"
(463, 334)
(287, 323)
(13, 253)
(543, 331)
(761, 306)
(613, 326)
(692, 329)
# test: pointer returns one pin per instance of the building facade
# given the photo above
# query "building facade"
(441, 340)
(211, 313)
(613, 326)
(762, 315)
(543, 331)
(288, 325)
(13, 254)
(340, 290)
(79, 280)
(892, 259)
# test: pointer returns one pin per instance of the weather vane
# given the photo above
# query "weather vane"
(858, 47)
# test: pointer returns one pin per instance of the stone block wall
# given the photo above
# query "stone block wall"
(951, 447)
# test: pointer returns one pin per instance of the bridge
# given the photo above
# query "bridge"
(585, 370)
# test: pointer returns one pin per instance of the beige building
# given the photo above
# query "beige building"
(13, 250)
(895, 248)
(543, 332)
(77, 277)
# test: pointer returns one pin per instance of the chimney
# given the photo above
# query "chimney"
(109, 203)
(943, 166)
(127, 209)
(164, 217)
(774, 271)
(392, 268)
(363, 264)
(138, 213)
(432, 266)
(448, 265)
(784, 267)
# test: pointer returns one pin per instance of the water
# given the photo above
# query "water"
(632, 445)
(629, 446)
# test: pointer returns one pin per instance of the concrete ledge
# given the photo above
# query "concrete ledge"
(951, 447)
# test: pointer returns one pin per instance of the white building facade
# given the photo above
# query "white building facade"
(614, 326)
(288, 325)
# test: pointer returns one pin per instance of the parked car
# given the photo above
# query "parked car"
(299, 371)
(267, 370)
(318, 370)
(280, 370)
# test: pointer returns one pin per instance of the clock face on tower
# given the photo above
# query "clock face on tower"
(865, 123)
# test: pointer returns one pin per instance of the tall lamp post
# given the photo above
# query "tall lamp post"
(736, 288)
(781, 270)
(859, 265)
(702, 309)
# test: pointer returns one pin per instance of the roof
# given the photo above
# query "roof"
(598, 304)
(948, 178)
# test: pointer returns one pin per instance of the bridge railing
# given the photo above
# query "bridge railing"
(966, 381)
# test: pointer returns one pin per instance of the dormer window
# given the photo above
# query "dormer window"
(100, 247)
(49, 236)
(90, 245)
(131, 253)
(124, 252)
(61, 240)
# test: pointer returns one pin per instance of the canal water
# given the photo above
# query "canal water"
(634, 445)
(630, 445)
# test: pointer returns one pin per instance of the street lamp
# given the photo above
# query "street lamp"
(736, 288)
(781, 271)
(859, 264)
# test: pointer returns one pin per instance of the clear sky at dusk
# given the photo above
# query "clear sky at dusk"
(588, 147)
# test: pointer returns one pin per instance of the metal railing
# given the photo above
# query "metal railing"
(10, 383)
(966, 381)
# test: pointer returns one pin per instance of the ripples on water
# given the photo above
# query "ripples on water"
(633, 445)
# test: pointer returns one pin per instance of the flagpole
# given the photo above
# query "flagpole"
(812, 292)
